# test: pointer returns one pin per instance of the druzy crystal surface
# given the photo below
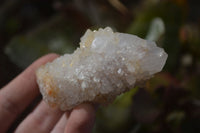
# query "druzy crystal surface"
(106, 64)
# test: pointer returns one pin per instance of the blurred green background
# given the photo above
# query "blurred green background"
(168, 103)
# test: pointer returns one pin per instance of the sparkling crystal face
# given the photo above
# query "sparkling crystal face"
(105, 65)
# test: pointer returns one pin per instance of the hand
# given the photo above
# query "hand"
(19, 93)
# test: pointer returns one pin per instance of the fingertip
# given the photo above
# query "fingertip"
(46, 58)
(88, 108)
(51, 55)
(29, 73)
(81, 119)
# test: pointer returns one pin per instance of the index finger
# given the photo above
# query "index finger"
(16, 96)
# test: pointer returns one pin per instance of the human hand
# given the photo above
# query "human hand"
(20, 92)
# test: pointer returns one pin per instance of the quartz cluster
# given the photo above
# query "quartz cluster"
(106, 64)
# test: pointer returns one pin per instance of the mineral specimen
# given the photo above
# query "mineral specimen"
(106, 64)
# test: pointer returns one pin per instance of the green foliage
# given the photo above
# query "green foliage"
(24, 49)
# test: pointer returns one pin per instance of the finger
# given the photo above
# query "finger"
(60, 126)
(16, 96)
(41, 120)
(81, 119)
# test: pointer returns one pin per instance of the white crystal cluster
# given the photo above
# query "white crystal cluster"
(106, 64)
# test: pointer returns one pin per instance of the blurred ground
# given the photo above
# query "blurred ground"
(169, 102)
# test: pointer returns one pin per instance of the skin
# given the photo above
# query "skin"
(16, 96)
